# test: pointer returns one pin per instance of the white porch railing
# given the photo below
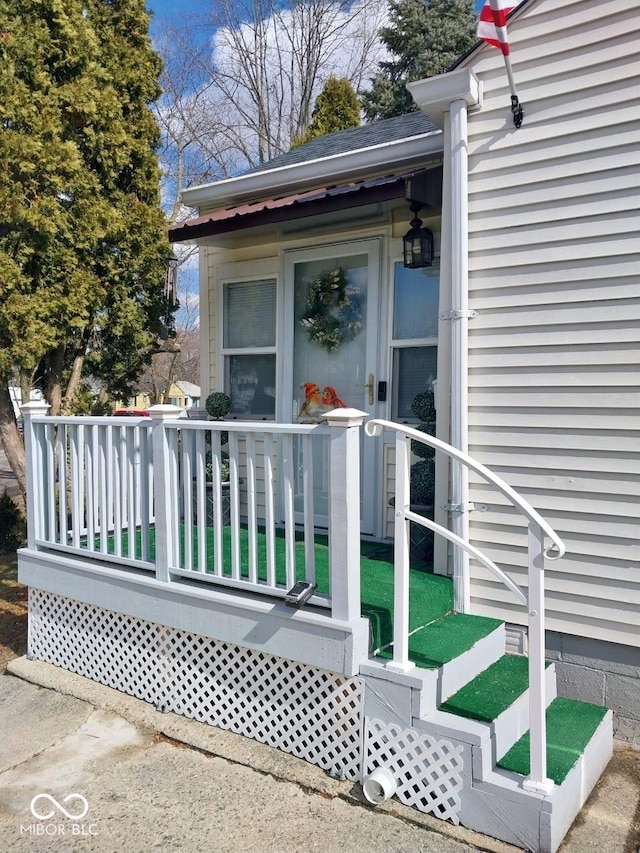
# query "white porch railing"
(532, 598)
(148, 493)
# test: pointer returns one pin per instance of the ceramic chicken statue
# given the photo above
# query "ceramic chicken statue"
(311, 408)
(330, 399)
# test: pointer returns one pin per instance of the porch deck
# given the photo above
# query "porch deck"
(434, 639)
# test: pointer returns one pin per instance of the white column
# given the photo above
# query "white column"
(34, 471)
(163, 490)
(459, 226)
(344, 512)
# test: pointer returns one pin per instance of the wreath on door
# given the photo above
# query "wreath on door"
(333, 312)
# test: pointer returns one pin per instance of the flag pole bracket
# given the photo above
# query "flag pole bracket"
(516, 109)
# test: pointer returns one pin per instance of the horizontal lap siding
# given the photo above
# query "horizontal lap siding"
(554, 354)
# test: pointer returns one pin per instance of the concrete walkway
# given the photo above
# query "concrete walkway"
(155, 781)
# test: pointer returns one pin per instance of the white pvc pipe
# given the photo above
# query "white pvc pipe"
(379, 786)
(459, 344)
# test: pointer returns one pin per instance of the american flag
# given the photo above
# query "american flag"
(492, 25)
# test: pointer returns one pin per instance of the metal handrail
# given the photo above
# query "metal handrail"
(533, 599)
(553, 552)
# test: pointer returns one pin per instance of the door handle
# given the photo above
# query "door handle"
(369, 385)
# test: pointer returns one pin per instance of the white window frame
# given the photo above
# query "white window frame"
(247, 272)
(403, 343)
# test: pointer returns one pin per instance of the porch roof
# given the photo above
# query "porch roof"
(416, 186)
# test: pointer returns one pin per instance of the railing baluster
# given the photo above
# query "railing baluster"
(252, 512)
(50, 493)
(289, 517)
(187, 496)
(200, 491)
(131, 494)
(77, 510)
(235, 505)
(308, 507)
(89, 489)
(269, 509)
(103, 504)
(118, 457)
(62, 484)
(216, 498)
(145, 491)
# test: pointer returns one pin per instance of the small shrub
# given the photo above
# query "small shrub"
(217, 405)
(423, 482)
(12, 525)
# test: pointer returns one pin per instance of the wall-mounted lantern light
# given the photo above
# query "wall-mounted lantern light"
(418, 243)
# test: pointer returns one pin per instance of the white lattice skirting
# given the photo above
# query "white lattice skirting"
(428, 771)
(308, 712)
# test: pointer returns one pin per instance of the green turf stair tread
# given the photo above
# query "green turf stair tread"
(491, 692)
(570, 726)
(446, 638)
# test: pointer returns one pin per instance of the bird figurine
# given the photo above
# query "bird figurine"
(311, 408)
(330, 399)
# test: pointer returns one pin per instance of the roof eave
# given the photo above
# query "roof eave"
(324, 171)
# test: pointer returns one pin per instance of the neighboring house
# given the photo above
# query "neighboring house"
(527, 321)
(183, 394)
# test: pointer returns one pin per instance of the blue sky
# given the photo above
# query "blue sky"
(171, 9)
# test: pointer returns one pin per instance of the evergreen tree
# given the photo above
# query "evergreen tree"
(336, 108)
(424, 39)
(82, 242)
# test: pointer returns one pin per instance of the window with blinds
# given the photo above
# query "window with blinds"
(249, 347)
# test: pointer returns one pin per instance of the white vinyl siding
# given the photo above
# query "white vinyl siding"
(554, 354)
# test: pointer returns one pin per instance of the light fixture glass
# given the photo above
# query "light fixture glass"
(418, 243)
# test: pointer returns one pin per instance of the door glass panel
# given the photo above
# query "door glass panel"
(342, 370)
(415, 302)
(414, 370)
(327, 375)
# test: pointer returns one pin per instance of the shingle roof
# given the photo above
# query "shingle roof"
(365, 136)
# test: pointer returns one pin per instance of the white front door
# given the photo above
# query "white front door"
(331, 310)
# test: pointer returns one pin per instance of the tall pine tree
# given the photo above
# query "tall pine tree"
(336, 108)
(424, 39)
(83, 247)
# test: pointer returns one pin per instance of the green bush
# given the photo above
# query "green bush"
(217, 405)
(12, 525)
(423, 482)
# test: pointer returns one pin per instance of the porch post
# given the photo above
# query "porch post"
(344, 512)
(164, 489)
(35, 471)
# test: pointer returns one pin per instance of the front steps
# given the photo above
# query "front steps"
(458, 726)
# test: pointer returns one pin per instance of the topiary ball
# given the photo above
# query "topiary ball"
(422, 482)
(424, 451)
(217, 405)
(423, 406)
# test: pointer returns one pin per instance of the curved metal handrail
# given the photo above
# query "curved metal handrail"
(553, 552)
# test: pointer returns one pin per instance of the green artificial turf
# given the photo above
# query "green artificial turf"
(492, 691)
(570, 726)
(446, 638)
(431, 596)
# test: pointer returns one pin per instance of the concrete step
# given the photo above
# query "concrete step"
(460, 648)
(490, 737)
